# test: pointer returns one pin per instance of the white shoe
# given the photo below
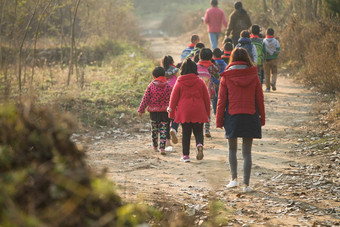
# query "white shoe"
(247, 189)
(232, 184)
(168, 149)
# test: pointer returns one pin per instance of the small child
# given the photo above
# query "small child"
(245, 42)
(206, 71)
(271, 53)
(156, 98)
(170, 70)
(190, 106)
(217, 54)
(228, 48)
(258, 42)
(170, 73)
(194, 40)
(227, 40)
(198, 47)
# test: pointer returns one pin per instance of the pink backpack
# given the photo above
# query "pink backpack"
(204, 74)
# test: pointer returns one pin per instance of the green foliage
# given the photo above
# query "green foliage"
(44, 180)
(132, 214)
(218, 214)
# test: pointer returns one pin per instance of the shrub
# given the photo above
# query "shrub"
(314, 49)
(44, 180)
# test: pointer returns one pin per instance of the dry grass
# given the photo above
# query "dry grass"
(313, 50)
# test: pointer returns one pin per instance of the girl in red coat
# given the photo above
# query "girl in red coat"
(240, 110)
(190, 103)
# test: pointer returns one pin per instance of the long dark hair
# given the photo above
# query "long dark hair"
(167, 61)
(188, 67)
(241, 54)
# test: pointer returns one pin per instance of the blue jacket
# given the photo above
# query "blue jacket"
(186, 52)
(221, 63)
(251, 48)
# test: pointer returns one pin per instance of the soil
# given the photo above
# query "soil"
(290, 188)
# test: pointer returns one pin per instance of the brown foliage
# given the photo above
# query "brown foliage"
(314, 49)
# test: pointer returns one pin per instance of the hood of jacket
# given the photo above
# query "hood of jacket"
(188, 80)
(244, 40)
(159, 84)
(240, 77)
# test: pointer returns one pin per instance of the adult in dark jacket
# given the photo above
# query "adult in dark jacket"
(240, 110)
(238, 21)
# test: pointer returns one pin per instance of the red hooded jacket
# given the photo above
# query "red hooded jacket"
(190, 100)
(242, 88)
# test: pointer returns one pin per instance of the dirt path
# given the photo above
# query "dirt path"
(281, 196)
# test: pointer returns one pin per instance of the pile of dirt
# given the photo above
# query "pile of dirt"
(44, 180)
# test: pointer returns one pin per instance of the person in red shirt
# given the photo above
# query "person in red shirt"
(190, 106)
(214, 17)
(240, 110)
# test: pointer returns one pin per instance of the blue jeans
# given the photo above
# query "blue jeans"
(213, 36)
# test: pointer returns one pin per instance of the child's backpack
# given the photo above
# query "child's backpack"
(259, 48)
(185, 53)
(204, 74)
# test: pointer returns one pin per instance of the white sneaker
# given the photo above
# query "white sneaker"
(247, 189)
(232, 184)
(168, 149)
(185, 158)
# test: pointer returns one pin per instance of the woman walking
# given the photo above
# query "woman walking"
(240, 110)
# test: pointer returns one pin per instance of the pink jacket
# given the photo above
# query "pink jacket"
(156, 97)
(214, 17)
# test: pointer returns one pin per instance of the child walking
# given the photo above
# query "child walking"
(156, 98)
(271, 52)
(240, 110)
(206, 71)
(170, 74)
(194, 40)
(228, 47)
(258, 42)
(217, 56)
(190, 106)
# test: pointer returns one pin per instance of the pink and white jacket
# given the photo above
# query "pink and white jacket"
(156, 97)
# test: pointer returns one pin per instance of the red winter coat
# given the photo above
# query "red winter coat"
(190, 101)
(241, 88)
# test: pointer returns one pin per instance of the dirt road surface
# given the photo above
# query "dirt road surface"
(290, 189)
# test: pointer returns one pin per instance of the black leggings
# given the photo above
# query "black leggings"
(187, 129)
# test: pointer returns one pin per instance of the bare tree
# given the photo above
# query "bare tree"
(24, 38)
(309, 10)
(36, 37)
(265, 7)
(72, 42)
(1, 21)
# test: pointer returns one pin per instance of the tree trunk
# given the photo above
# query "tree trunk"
(23, 40)
(72, 42)
(62, 36)
(315, 10)
(265, 8)
(36, 38)
(309, 6)
(1, 20)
